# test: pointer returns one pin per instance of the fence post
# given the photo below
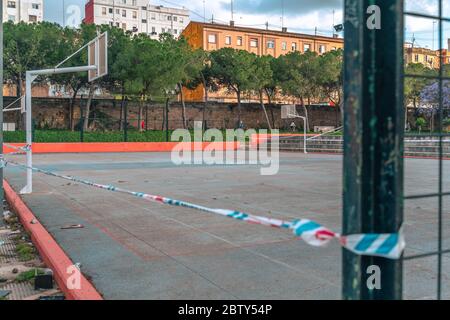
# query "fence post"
(373, 140)
(81, 120)
(125, 119)
(167, 120)
(1, 106)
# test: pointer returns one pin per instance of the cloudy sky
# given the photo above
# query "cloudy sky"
(299, 15)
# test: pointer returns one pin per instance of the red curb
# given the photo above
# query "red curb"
(96, 147)
(52, 254)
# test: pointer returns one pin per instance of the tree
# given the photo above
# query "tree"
(233, 69)
(261, 79)
(189, 64)
(205, 79)
(30, 47)
(415, 85)
(298, 77)
(330, 77)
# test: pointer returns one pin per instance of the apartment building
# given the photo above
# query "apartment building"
(211, 36)
(137, 16)
(427, 57)
(23, 10)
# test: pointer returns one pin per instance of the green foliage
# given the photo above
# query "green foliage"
(145, 69)
(29, 275)
(421, 122)
(330, 76)
(414, 86)
(233, 69)
(299, 74)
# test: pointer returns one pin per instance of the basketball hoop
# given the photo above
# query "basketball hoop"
(96, 68)
(290, 112)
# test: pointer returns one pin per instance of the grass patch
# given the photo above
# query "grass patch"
(25, 251)
(29, 275)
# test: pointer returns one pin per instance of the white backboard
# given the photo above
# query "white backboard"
(289, 112)
(98, 56)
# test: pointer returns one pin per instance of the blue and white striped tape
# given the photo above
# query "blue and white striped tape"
(389, 245)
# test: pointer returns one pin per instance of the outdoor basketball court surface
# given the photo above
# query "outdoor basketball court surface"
(135, 249)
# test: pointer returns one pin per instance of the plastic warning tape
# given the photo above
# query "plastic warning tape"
(389, 245)
(21, 150)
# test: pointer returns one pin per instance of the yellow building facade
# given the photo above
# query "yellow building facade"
(211, 36)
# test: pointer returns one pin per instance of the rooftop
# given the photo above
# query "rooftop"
(266, 31)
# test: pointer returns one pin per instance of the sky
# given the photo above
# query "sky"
(299, 15)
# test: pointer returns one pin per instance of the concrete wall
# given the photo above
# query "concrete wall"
(53, 113)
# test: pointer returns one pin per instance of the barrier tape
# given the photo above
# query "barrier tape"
(389, 245)
(21, 150)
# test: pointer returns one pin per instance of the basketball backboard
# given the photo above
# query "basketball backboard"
(289, 112)
(98, 56)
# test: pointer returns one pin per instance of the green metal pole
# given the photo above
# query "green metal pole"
(1, 105)
(373, 147)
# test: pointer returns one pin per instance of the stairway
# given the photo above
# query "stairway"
(418, 146)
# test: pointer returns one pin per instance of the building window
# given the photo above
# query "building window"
(144, 20)
(284, 45)
(153, 30)
(110, 10)
(11, 18)
(416, 58)
(32, 18)
(294, 46)
(124, 13)
(153, 16)
(11, 4)
(124, 26)
(175, 19)
(175, 31)
(181, 20)
(228, 40)
(169, 18)
(239, 41)
(270, 44)
(117, 11)
(254, 43)
(104, 11)
(134, 14)
(35, 6)
(212, 38)
(322, 48)
(307, 47)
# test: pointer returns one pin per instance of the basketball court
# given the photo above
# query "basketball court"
(134, 249)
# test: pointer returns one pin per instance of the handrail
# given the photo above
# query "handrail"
(324, 133)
